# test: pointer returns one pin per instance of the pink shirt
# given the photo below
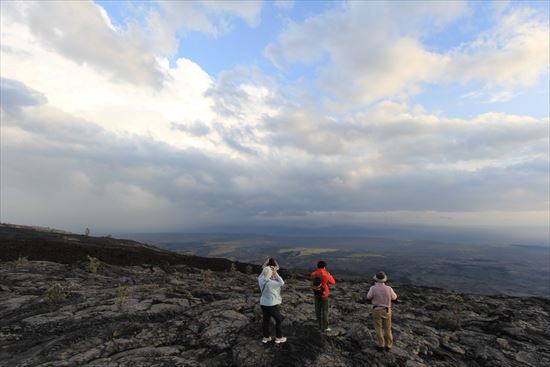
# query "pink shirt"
(381, 295)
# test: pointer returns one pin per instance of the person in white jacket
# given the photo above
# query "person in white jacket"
(270, 285)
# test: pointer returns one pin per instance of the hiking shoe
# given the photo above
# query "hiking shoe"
(266, 340)
(327, 330)
(387, 349)
(280, 340)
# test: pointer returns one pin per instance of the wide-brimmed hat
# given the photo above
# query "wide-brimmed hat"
(380, 277)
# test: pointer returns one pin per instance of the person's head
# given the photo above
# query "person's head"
(272, 262)
(380, 277)
(267, 272)
(321, 265)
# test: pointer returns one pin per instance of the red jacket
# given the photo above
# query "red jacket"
(326, 279)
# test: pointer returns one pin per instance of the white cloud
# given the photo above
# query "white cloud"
(515, 53)
(377, 52)
(79, 31)
(125, 108)
(214, 17)
(368, 56)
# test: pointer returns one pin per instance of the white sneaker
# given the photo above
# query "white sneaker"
(266, 340)
(280, 340)
(327, 330)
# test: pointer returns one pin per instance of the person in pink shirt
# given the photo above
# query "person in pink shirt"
(381, 296)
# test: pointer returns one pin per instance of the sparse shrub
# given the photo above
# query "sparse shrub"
(93, 264)
(149, 286)
(55, 294)
(443, 320)
(456, 304)
(232, 268)
(121, 289)
(22, 260)
(206, 277)
(257, 312)
(450, 320)
(116, 334)
(355, 297)
(122, 297)
(122, 300)
(71, 286)
(248, 269)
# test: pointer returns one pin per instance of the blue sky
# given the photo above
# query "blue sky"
(169, 115)
(245, 44)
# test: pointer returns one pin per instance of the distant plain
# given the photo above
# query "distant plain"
(510, 269)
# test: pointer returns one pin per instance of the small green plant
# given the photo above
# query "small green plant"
(121, 301)
(451, 319)
(22, 260)
(232, 268)
(456, 304)
(207, 277)
(116, 334)
(93, 264)
(355, 297)
(444, 321)
(248, 269)
(121, 289)
(122, 297)
(257, 312)
(55, 294)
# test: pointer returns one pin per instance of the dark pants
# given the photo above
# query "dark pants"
(321, 311)
(269, 312)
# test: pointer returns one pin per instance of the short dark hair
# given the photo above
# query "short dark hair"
(321, 264)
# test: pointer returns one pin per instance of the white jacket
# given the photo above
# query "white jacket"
(271, 294)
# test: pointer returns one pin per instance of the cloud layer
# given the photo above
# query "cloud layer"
(112, 130)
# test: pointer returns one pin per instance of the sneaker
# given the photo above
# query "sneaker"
(266, 340)
(327, 330)
(387, 349)
(280, 340)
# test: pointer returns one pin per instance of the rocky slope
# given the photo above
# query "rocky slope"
(173, 313)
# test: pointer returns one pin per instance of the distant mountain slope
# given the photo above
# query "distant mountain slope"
(63, 247)
(171, 313)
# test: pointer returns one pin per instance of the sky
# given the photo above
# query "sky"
(194, 116)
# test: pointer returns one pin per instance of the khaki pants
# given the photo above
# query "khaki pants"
(382, 326)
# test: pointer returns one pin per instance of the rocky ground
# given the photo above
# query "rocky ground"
(65, 314)
(132, 316)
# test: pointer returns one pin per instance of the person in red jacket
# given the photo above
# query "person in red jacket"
(321, 279)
